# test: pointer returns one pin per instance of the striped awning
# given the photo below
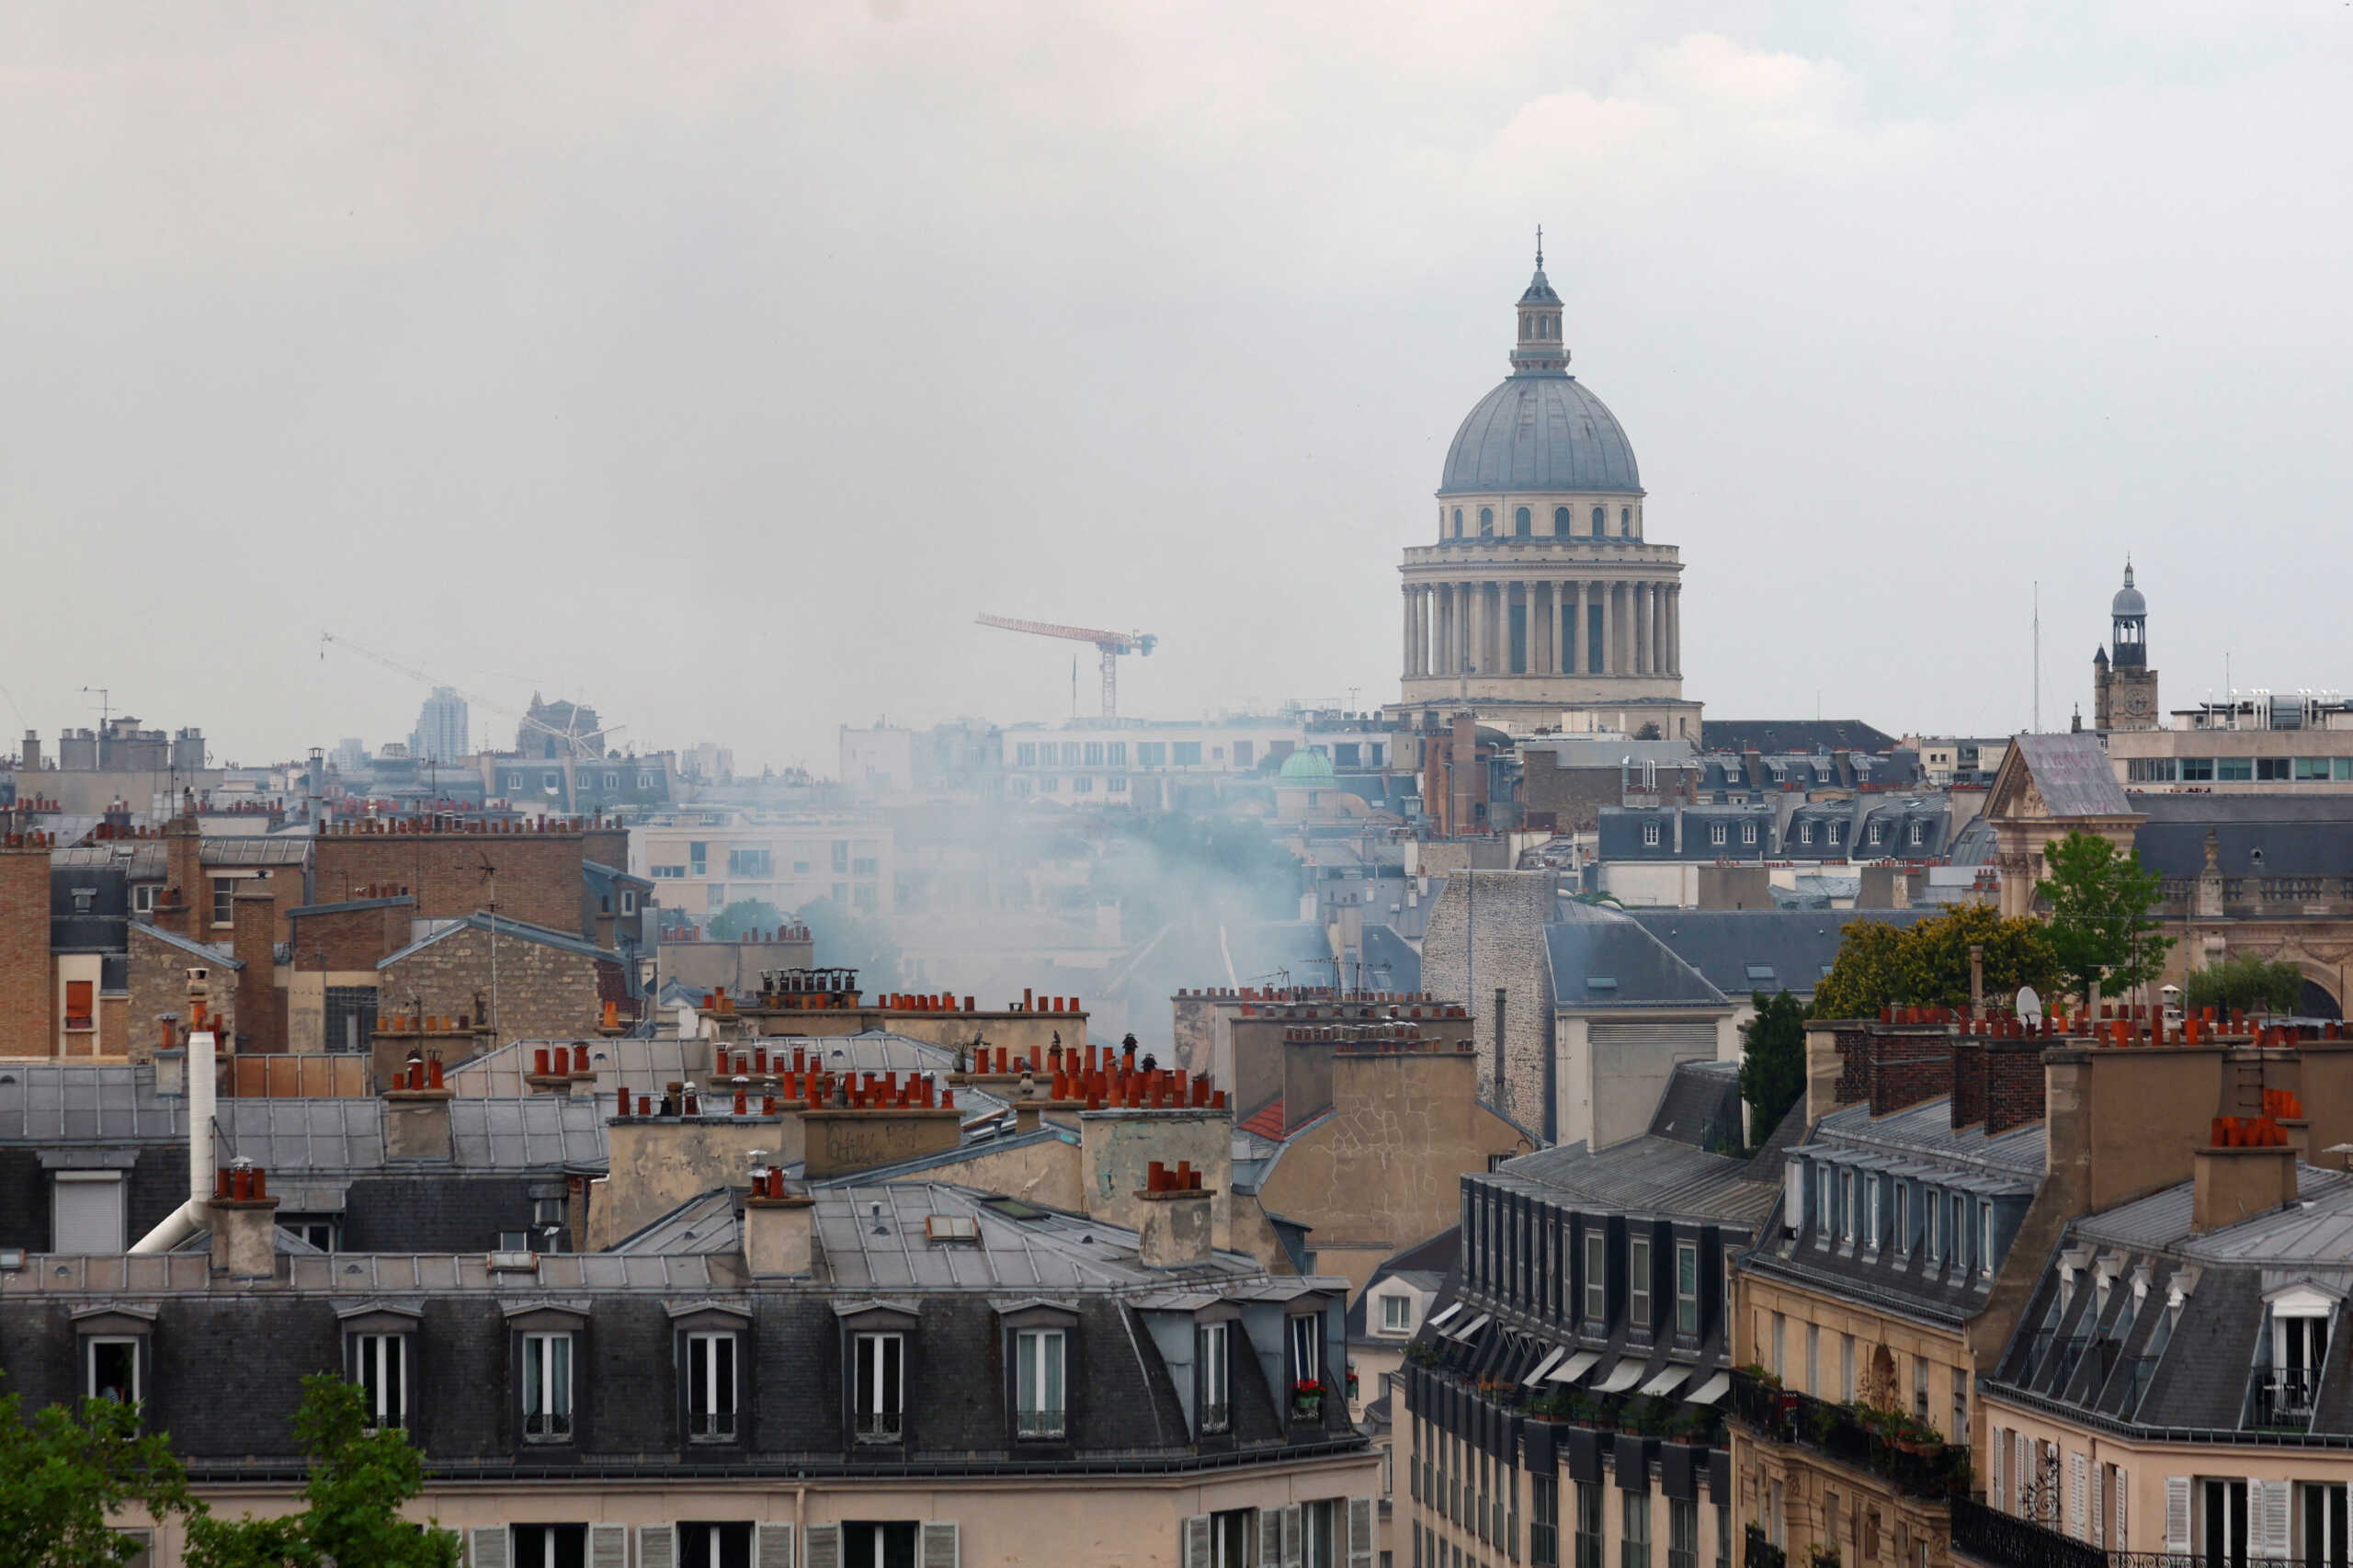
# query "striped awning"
(1714, 1389)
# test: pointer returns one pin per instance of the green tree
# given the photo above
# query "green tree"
(2248, 984)
(63, 1474)
(2099, 914)
(1880, 964)
(1772, 1062)
(742, 917)
(358, 1480)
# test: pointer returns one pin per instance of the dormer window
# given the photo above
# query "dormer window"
(1806, 833)
(1650, 833)
(547, 1387)
(1597, 1285)
(878, 1396)
(1038, 1382)
(1748, 832)
(2299, 1324)
(1903, 1217)
(1638, 1284)
(1846, 1206)
(1822, 1202)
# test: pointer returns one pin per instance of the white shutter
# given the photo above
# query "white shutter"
(2022, 1451)
(1294, 1536)
(2178, 1513)
(486, 1546)
(2099, 1508)
(1196, 1541)
(609, 1545)
(1363, 1527)
(2272, 1542)
(825, 1546)
(937, 1547)
(657, 1547)
(772, 1547)
(2120, 1512)
(1270, 1537)
(1999, 1478)
(2075, 1468)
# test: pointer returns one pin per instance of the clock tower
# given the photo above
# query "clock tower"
(2124, 688)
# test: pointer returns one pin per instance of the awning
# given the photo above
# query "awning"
(1672, 1378)
(1473, 1327)
(1576, 1366)
(1711, 1390)
(1437, 1319)
(1621, 1377)
(1552, 1358)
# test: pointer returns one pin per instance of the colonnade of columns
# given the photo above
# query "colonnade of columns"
(1568, 627)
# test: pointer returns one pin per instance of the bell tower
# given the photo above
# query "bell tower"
(2124, 688)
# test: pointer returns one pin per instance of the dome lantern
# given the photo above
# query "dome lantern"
(1538, 350)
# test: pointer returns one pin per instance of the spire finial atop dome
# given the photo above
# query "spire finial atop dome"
(2128, 554)
(1540, 247)
(1538, 348)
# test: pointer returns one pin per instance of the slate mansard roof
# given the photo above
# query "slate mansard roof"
(2140, 1326)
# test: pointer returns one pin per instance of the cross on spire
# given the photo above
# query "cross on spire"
(1540, 247)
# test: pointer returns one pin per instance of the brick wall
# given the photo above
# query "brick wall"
(158, 984)
(1574, 795)
(1508, 928)
(543, 993)
(1907, 1065)
(538, 873)
(260, 1006)
(25, 999)
(1967, 1082)
(2014, 1085)
(348, 939)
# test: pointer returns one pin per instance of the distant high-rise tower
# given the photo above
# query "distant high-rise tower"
(2124, 688)
(440, 733)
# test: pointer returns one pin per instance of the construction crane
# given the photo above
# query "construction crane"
(1110, 644)
(583, 748)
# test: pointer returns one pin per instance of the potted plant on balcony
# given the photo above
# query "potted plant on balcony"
(1307, 1400)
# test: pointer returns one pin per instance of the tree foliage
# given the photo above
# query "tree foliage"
(1880, 964)
(2099, 914)
(743, 917)
(1772, 1062)
(2247, 984)
(64, 1473)
(358, 1480)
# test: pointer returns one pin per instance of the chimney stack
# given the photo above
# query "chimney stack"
(244, 1222)
(1173, 1224)
(779, 1227)
(2239, 1180)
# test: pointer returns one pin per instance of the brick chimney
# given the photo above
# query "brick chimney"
(779, 1227)
(2014, 1084)
(1175, 1227)
(1907, 1060)
(244, 1222)
(1118, 1145)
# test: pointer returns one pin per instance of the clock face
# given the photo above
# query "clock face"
(2137, 704)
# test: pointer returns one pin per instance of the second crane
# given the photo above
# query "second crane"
(1110, 644)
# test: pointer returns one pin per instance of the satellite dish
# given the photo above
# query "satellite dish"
(2029, 1006)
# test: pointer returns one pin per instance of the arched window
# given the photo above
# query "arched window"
(1600, 520)
(1561, 523)
(1522, 524)
(1487, 522)
(1458, 522)
(1527, 327)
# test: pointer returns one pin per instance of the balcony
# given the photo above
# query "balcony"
(1757, 1553)
(2281, 1400)
(1989, 1535)
(1903, 1452)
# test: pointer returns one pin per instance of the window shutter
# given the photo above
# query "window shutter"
(2120, 1513)
(2076, 1465)
(2100, 1510)
(609, 1545)
(938, 1546)
(2022, 1448)
(1294, 1536)
(2178, 1513)
(1363, 1527)
(1196, 1541)
(772, 1547)
(657, 1547)
(2000, 1467)
(826, 1545)
(2274, 1496)
(486, 1546)
(1270, 1537)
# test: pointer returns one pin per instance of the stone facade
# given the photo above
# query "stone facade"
(1509, 987)
(541, 990)
(25, 999)
(158, 987)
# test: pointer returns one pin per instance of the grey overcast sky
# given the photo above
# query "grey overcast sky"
(714, 364)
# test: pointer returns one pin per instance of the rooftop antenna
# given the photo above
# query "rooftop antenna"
(106, 700)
